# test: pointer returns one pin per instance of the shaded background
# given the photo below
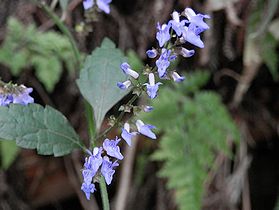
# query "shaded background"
(244, 74)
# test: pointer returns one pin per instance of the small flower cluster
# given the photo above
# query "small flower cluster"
(185, 27)
(14, 94)
(100, 162)
(103, 5)
(97, 164)
(186, 30)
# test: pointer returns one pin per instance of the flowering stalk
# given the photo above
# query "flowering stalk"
(118, 119)
(104, 194)
(100, 165)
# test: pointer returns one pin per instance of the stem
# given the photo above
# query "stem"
(63, 29)
(104, 194)
(119, 118)
(91, 124)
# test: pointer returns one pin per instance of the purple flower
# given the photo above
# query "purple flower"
(87, 4)
(107, 169)
(127, 135)
(145, 129)
(191, 34)
(176, 77)
(148, 108)
(124, 85)
(185, 52)
(176, 25)
(88, 175)
(112, 149)
(163, 62)
(88, 188)
(152, 53)
(151, 87)
(104, 5)
(163, 34)
(23, 97)
(196, 19)
(93, 162)
(5, 100)
(128, 71)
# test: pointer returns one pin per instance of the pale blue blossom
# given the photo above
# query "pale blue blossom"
(127, 135)
(191, 35)
(102, 5)
(88, 188)
(148, 108)
(107, 169)
(110, 146)
(145, 129)
(152, 53)
(176, 24)
(152, 87)
(196, 19)
(22, 96)
(87, 4)
(126, 68)
(93, 162)
(163, 62)
(163, 34)
(176, 77)
(124, 85)
(5, 99)
(185, 52)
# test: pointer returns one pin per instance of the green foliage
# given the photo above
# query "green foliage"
(8, 151)
(270, 55)
(35, 127)
(134, 60)
(98, 79)
(194, 81)
(260, 45)
(25, 46)
(193, 130)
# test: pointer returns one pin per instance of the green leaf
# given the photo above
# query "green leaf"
(8, 153)
(269, 54)
(197, 128)
(36, 127)
(45, 51)
(48, 71)
(134, 60)
(99, 77)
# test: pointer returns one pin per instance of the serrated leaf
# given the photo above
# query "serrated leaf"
(48, 71)
(46, 51)
(99, 77)
(8, 153)
(36, 127)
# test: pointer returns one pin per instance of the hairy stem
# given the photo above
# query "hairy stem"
(119, 118)
(63, 29)
(104, 194)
